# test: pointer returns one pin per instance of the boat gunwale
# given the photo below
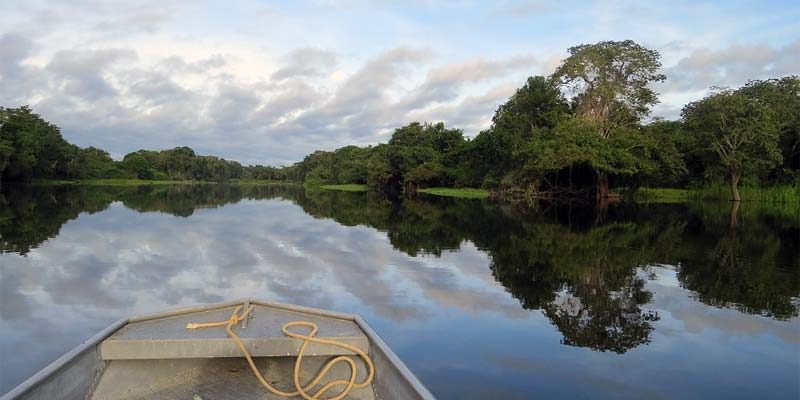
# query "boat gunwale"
(64, 361)
(94, 341)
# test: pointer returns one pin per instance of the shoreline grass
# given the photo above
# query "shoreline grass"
(348, 187)
(662, 195)
(257, 182)
(775, 194)
(464, 193)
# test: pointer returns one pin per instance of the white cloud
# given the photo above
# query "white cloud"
(306, 62)
(690, 77)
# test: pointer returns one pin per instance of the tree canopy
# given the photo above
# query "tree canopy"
(740, 130)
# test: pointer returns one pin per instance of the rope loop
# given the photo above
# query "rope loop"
(310, 337)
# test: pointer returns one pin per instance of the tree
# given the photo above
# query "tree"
(139, 165)
(30, 147)
(6, 148)
(573, 148)
(674, 155)
(609, 82)
(538, 104)
(782, 97)
(416, 144)
(429, 173)
(494, 153)
(379, 172)
(350, 164)
(739, 130)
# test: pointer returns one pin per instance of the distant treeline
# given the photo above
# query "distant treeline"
(579, 132)
(32, 148)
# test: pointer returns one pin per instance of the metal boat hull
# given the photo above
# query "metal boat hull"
(108, 367)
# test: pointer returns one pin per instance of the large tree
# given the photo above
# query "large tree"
(30, 147)
(739, 129)
(782, 96)
(609, 83)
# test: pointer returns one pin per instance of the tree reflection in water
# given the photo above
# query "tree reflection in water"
(585, 271)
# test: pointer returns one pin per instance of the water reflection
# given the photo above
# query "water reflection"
(422, 266)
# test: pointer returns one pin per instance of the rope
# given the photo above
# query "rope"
(301, 390)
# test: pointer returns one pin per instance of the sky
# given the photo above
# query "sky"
(269, 82)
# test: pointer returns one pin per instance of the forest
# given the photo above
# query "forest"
(584, 131)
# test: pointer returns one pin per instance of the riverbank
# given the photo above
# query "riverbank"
(465, 193)
(775, 194)
(143, 182)
(348, 187)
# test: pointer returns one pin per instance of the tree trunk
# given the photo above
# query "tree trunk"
(735, 187)
(601, 197)
(733, 221)
(602, 185)
(601, 210)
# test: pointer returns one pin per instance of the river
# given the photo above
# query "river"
(480, 299)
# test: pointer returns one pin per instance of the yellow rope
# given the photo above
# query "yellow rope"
(308, 338)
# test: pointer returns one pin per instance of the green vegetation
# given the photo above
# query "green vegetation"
(741, 132)
(543, 144)
(773, 194)
(352, 187)
(663, 195)
(581, 132)
(32, 149)
(467, 193)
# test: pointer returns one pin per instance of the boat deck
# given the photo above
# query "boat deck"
(212, 379)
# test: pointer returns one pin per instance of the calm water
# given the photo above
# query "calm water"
(481, 300)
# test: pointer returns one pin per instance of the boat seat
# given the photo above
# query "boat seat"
(168, 338)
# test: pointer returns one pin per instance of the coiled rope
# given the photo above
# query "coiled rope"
(301, 390)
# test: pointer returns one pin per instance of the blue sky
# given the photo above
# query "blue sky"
(268, 82)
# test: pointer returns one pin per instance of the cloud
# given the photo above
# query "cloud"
(14, 48)
(473, 113)
(18, 80)
(361, 106)
(524, 7)
(372, 82)
(178, 65)
(80, 73)
(147, 20)
(691, 76)
(732, 66)
(288, 99)
(306, 62)
(445, 83)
